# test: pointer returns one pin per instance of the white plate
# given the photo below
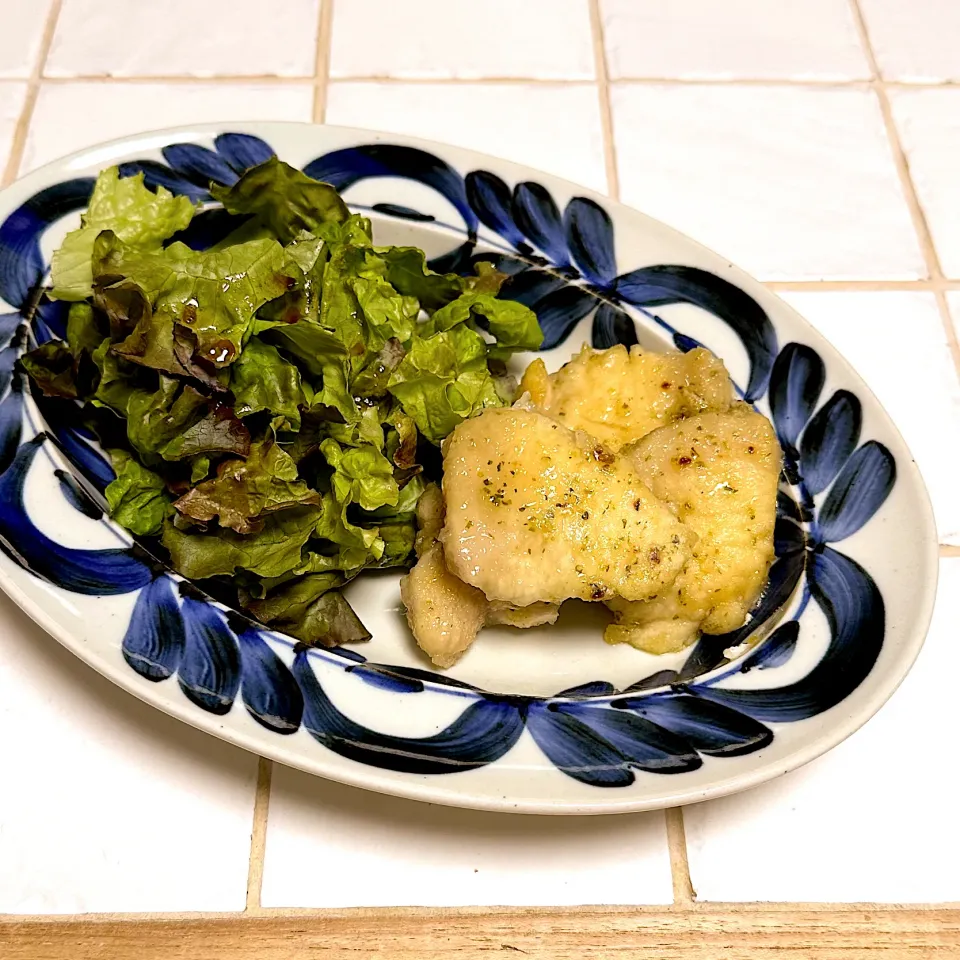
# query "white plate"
(550, 720)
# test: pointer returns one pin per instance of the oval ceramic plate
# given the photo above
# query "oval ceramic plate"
(549, 720)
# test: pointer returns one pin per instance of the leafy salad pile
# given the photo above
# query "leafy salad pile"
(272, 405)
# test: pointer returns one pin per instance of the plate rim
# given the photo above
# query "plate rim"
(432, 789)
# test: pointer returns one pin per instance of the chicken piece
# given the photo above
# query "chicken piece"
(720, 472)
(619, 396)
(537, 614)
(445, 614)
(536, 512)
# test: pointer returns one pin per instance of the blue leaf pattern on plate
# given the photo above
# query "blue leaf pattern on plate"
(209, 671)
(856, 495)
(829, 439)
(795, 386)
(491, 198)
(538, 217)
(612, 326)
(268, 689)
(590, 240)
(155, 637)
(242, 150)
(199, 164)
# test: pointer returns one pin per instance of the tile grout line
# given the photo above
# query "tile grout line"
(683, 892)
(603, 94)
(917, 214)
(321, 69)
(258, 835)
(30, 99)
(861, 84)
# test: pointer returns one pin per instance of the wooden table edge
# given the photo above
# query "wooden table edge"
(699, 931)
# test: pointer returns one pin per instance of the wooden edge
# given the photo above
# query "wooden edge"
(693, 932)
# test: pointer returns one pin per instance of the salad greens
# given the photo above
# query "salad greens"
(270, 404)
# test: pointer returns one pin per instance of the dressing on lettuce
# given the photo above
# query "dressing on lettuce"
(270, 403)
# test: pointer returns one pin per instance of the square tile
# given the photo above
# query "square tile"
(70, 116)
(872, 821)
(109, 805)
(552, 127)
(929, 126)
(441, 39)
(193, 38)
(11, 104)
(915, 41)
(23, 23)
(703, 39)
(789, 182)
(887, 336)
(334, 846)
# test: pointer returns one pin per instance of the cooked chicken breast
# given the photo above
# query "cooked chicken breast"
(445, 614)
(719, 472)
(536, 512)
(619, 396)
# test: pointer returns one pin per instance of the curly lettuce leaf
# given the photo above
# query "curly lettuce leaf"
(513, 325)
(388, 313)
(159, 343)
(406, 270)
(245, 491)
(53, 368)
(283, 198)
(174, 424)
(218, 432)
(307, 342)
(138, 497)
(372, 380)
(214, 294)
(361, 475)
(138, 216)
(444, 379)
(117, 385)
(312, 610)
(261, 379)
(83, 332)
(272, 551)
(335, 394)
(366, 429)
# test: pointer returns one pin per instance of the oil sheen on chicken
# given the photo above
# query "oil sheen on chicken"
(719, 472)
(537, 512)
(619, 396)
(445, 614)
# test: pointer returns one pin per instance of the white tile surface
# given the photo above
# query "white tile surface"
(705, 39)
(109, 805)
(22, 27)
(552, 127)
(335, 846)
(929, 125)
(789, 182)
(872, 821)
(886, 336)
(546, 39)
(196, 38)
(914, 41)
(70, 116)
(11, 103)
